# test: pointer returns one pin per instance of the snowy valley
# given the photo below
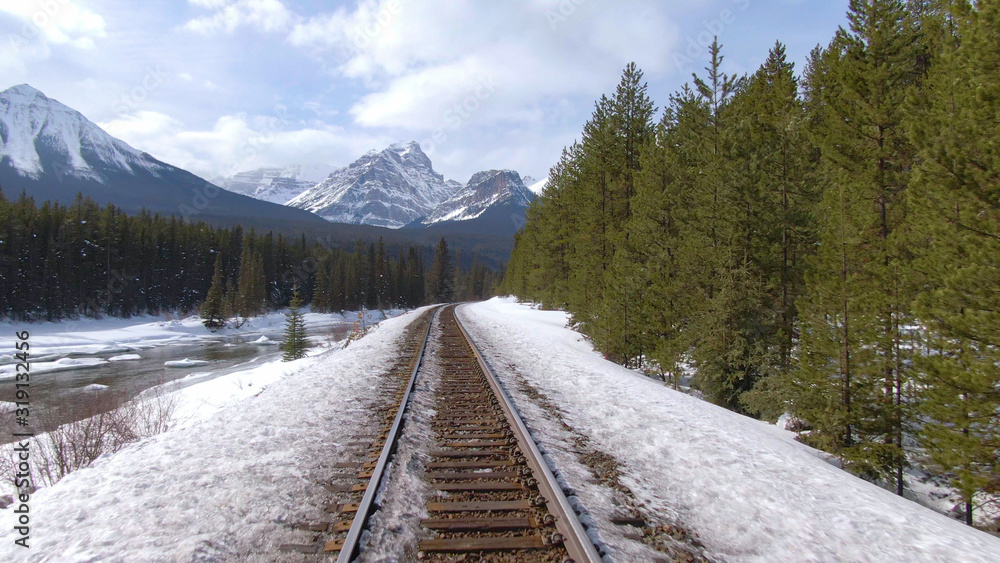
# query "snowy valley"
(749, 491)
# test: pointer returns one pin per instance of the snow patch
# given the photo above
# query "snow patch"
(185, 363)
(125, 358)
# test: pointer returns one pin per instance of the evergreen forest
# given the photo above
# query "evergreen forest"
(65, 262)
(822, 242)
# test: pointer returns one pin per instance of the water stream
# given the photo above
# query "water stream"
(61, 397)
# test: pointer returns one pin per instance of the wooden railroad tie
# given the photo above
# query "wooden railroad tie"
(483, 544)
(479, 486)
(479, 506)
(480, 524)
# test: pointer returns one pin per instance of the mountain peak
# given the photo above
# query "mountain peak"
(411, 153)
(485, 190)
(23, 90)
(387, 188)
(275, 184)
(41, 135)
(480, 177)
(408, 146)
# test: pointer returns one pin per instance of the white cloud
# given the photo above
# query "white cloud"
(263, 15)
(238, 142)
(422, 59)
(57, 21)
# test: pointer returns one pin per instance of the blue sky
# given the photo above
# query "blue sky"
(218, 86)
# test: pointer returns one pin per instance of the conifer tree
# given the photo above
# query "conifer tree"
(229, 300)
(212, 309)
(857, 296)
(321, 302)
(251, 288)
(441, 277)
(956, 228)
(295, 344)
(620, 319)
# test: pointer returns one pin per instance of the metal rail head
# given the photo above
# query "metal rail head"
(367, 504)
(577, 542)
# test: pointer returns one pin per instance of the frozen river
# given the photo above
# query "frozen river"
(75, 375)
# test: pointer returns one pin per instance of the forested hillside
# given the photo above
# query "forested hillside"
(59, 262)
(823, 242)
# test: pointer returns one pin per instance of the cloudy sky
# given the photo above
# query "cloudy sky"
(218, 86)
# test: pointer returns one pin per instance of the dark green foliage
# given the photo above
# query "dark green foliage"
(826, 247)
(61, 262)
(955, 199)
(213, 309)
(857, 295)
(295, 344)
(441, 276)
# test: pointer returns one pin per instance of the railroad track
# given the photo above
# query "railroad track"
(494, 498)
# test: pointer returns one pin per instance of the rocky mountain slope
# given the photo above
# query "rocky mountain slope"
(484, 190)
(387, 188)
(52, 152)
(398, 187)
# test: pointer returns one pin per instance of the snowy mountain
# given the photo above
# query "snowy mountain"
(398, 187)
(536, 187)
(485, 190)
(41, 136)
(277, 185)
(388, 188)
(52, 152)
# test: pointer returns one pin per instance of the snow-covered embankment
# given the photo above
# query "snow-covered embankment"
(247, 461)
(748, 489)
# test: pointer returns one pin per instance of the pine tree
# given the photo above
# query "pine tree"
(212, 310)
(321, 302)
(956, 233)
(620, 320)
(295, 344)
(441, 277)
(857, 296)
(229, 300)
(251, 287)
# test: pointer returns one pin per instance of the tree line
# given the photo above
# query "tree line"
(83, 260)
(825, 244)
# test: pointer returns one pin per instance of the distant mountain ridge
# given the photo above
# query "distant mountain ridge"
(52, 152)
(484, 190)
(275, 184)
(398, 187)
(387, 188)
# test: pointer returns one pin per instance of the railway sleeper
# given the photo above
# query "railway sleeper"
(484, 544)
(497, 524)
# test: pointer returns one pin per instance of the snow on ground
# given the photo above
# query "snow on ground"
(109, 335)
(185, 363)
(246, 459)
(125, 358)
(748, 489)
